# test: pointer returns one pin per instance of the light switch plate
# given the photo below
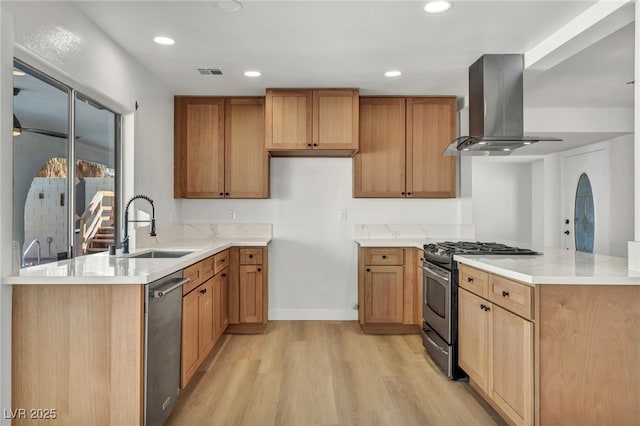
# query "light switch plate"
(232, 214)
(342, 215)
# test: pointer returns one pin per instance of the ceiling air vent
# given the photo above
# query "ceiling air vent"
(210, 71)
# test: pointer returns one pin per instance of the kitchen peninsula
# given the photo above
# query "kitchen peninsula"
(80, 326)
(552, 337)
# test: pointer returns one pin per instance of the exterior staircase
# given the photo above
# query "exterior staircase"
(97, 230)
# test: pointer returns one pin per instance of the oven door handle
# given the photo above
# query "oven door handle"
(436, 273)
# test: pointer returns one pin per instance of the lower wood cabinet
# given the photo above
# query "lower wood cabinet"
(204, 314)
(496, 345)
(389, 290)
(383, 294)
(248, 290)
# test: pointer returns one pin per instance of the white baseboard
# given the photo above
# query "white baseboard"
(634, 255)
(313, 314)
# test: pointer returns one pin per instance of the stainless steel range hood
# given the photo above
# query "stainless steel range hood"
(495, 108)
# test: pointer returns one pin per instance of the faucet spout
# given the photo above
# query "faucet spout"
(31, 244)
(152, 228)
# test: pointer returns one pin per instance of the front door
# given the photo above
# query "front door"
(585, 178)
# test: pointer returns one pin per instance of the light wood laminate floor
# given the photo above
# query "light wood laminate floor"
(324, 373)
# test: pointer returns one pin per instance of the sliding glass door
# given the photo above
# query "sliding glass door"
(61, 211)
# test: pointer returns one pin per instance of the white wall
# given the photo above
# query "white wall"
(313, 259)
(502, 201)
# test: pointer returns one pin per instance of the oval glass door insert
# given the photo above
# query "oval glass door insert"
(584, 223)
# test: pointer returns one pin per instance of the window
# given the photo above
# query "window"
(62, 211)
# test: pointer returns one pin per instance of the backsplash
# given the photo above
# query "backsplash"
(214, 231)
(401, 232)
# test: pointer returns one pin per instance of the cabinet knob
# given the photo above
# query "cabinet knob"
(486, 308)
(250, 256)
(308, 144)
(222, 193)
(203, 291)
(226, 193)
(315, 144)
(402, 193)
(368, 270)
(505, 293)
(259, 269)
(408, 193)
(222, 260)
(482, 306)
(224, 275)
(567, 232)
(469, 279)
(384, 256)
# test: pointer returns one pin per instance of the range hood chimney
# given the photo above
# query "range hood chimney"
(495, 108)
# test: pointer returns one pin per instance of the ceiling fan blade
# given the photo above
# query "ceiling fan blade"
(51, 133)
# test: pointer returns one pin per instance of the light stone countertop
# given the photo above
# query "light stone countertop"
(557, 266)
(101, 268)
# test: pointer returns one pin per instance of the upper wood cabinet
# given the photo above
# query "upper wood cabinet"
(431, 126)
(311, 122)
(199, 147)
(219, 148)
(401, 145)
(379, 166)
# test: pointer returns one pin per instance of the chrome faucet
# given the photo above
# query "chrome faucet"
(24, 255)
(152, 228)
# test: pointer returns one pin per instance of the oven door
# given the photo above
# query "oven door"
(436, 307)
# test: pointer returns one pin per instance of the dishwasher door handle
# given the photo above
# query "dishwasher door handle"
(178, 283)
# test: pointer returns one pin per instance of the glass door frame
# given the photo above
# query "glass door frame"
(72, 95)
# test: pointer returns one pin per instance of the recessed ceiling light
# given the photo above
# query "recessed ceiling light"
(252, 73)
(164, 41)
(438, 6)
(19, 73)
(527, 143)
(506, 149)
(229, 6)
(392, 74)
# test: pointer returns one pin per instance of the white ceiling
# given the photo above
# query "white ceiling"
(325, 43)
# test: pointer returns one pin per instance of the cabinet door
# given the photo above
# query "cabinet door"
(190, 336)
(511, 384)
(251, 294)
(379, 166)
(199, 147)
(288, 119)
(384, 294)
(431, 126)
(206, 331)
(473, 337)
(223, 317)
(246, 161)
(335, 119)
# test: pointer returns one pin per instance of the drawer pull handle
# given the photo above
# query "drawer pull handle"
(384, 256)
(486, 308)
(250, 256)
(505, 293)
(203, 291)
(482, 306)
(470, 279)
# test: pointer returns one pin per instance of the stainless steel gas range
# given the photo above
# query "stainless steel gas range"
(440, 297)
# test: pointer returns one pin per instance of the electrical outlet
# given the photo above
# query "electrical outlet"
(355, 306)
(232, 214)
(342, 215)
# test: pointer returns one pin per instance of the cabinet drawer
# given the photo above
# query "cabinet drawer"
(251, 256)
(194, 274)
(206, 269)
(384, 256)
(220, 261)
(474, 280)
(511, 295)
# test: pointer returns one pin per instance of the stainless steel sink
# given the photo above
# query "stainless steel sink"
(160, 254)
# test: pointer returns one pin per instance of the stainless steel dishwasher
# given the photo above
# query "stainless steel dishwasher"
(163, 333)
